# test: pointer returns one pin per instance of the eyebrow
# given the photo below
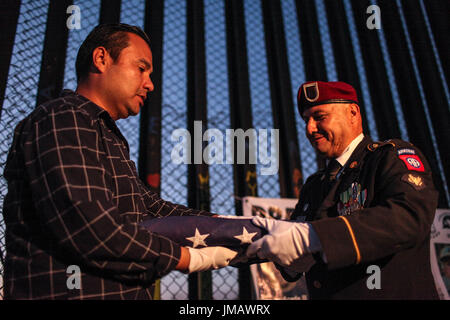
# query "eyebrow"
(315, 113)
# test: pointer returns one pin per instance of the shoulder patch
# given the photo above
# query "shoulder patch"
(412, 162)
(414, 180)
(406, 151)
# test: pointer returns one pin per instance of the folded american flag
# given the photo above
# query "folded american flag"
(203, 231)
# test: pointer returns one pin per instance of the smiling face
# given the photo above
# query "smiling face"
(127, 80)
(331, 127)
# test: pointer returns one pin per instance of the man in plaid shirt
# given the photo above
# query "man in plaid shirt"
(74, 197)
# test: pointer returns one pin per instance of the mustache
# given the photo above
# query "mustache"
(142, 93)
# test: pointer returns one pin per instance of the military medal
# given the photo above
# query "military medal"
(352, 199)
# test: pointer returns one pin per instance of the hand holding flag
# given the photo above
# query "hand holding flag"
(204, 232)
(289, 244)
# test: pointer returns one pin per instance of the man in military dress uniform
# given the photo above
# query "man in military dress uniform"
(362, 225)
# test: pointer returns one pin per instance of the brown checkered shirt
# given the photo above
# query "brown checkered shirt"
(74, 198)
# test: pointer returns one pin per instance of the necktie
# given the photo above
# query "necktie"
(332, 170)
(330, 175)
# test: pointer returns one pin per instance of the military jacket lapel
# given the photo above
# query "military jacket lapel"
(347, 186)
(351, 193)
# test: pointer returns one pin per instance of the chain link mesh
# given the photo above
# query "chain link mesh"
(225, 282)
(21, 88)
(297, 72)
(393, 84)
(361, 71)
(89, 17)
(327, 46)
(268, 185)
(132, 13)
(431, 131)
(174, 116)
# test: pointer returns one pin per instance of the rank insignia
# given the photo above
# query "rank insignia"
(412, 162)
(414, 180)
(352, 199)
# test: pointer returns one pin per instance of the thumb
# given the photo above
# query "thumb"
(253, 248)
(222, 256)
(226, 253)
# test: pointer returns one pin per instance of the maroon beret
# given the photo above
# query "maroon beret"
(314, 93)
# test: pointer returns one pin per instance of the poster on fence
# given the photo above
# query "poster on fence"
(267, 280)
(440, 252)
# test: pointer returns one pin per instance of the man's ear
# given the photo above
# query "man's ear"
(100, 59)
(355, 116)
(354, 111)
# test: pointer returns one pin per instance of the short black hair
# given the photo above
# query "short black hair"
(111, 36)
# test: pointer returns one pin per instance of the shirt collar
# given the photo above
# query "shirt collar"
(342, 159)
(96, 112)
(93, 109)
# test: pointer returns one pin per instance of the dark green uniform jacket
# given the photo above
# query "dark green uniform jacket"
(374, 225)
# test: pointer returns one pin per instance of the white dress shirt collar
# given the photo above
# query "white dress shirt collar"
(342, 159)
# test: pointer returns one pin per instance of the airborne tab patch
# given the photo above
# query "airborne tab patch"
(405, 151)
(412, 162)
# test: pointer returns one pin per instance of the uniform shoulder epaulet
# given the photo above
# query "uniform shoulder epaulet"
(378, 144)
(396, 143)
(405, 152)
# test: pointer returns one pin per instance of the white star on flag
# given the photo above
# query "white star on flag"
(198, 239)
(246, 237)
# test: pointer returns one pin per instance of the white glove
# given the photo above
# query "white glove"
(290, 244)
(210, 258)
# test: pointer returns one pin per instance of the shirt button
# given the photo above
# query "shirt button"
(317, 284)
